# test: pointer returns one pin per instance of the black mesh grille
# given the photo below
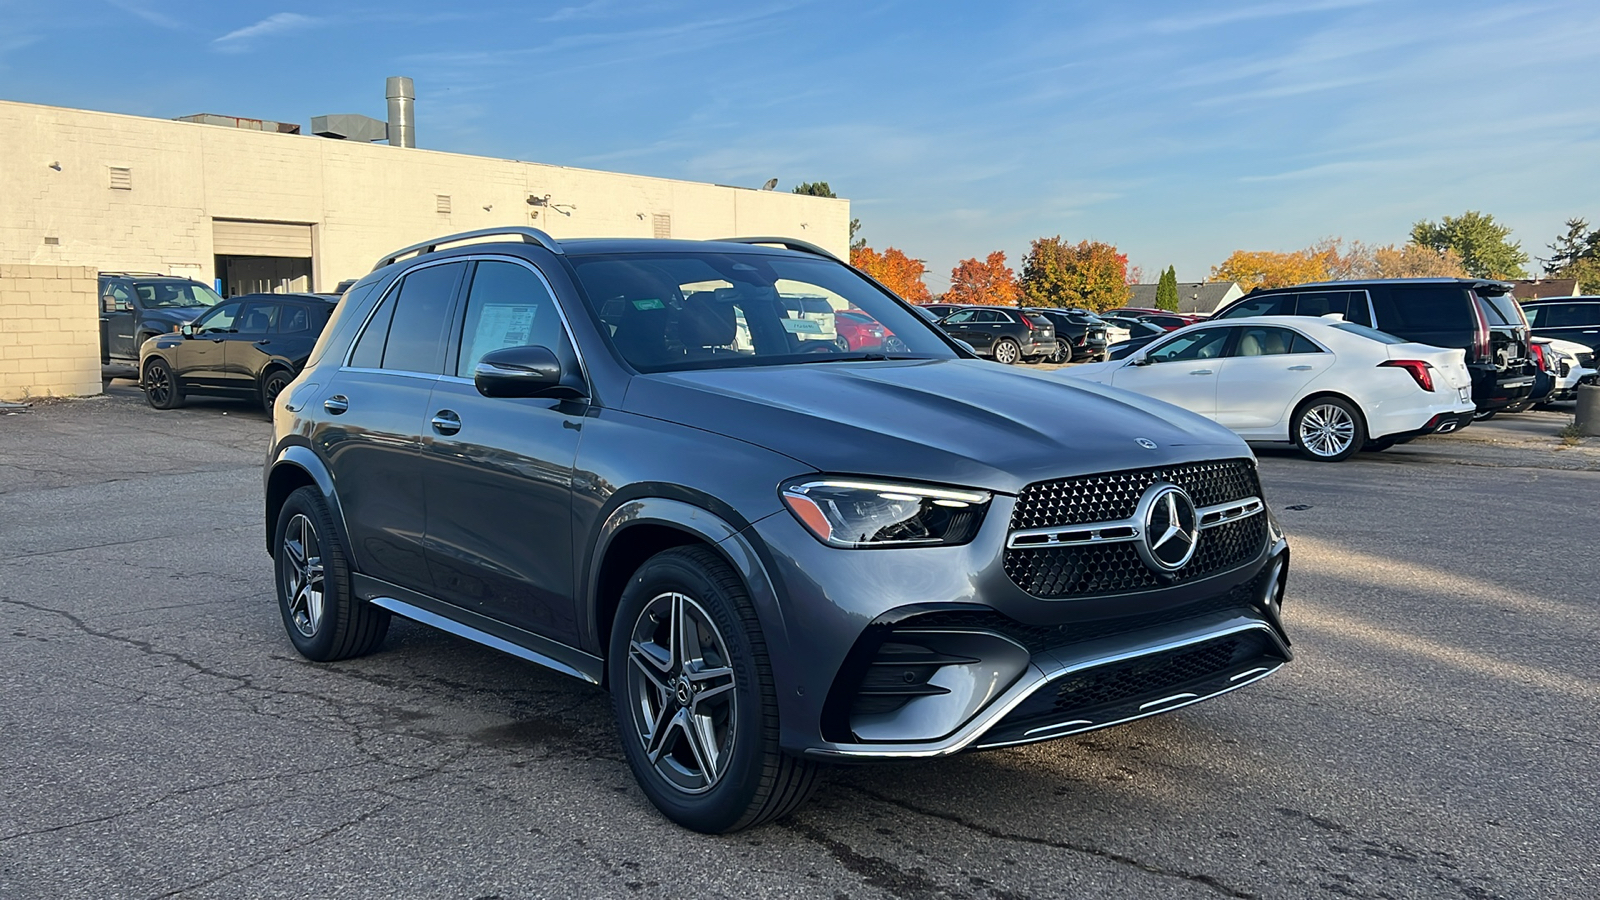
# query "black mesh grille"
(1116, 690)
(1112, 568)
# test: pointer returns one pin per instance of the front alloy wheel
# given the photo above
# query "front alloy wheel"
(681, 691)
(161, 388)
(1329, 430)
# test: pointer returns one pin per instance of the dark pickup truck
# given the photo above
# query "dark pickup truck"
(136, 306)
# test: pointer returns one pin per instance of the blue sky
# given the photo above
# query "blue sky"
(1179, 131)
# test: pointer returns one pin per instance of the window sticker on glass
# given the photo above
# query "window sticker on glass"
(801, 326)
(649, 303)
(502, 326)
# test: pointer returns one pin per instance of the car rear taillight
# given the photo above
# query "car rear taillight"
(1480, 339)
(1421, 372)
(1027, 321)
(1538, 356)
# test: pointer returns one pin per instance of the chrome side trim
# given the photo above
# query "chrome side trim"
(1035, 679)
(1124, 529)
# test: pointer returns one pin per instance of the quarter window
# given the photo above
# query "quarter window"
(509, 306)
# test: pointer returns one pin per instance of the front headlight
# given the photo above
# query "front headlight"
(847, 512)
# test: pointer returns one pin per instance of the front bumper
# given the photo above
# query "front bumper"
(928, 652)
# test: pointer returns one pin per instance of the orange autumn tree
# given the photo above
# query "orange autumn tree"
(989, 282)
(1270, 269)
(896, 271)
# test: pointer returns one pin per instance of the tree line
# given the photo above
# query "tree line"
(1096, 275)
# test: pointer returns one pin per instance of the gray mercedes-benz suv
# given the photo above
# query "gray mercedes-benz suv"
(621, 460)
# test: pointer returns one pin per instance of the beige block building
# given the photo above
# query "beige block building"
(258, 210)
(49, 332)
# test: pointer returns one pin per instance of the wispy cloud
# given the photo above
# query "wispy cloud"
(277, 23)
(1195, 22)
(159, 19)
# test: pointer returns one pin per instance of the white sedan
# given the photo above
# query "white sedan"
(1331, 387)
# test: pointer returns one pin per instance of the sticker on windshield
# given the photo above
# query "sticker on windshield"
(650, 303)
(801, 326)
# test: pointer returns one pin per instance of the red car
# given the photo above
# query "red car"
(1161, 318)
(859, 330)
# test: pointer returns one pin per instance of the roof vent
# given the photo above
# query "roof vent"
(441, 203)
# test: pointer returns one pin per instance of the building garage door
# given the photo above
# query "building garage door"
(258, 257)
(236, 238)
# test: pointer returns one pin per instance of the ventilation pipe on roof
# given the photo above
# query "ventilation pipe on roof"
(402, 111)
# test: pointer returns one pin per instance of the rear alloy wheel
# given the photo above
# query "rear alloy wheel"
(1328, 429)
(1007, 352)
(161, 388)
(272, 386)
(1063, 353)
(694, 699)
(324, 618)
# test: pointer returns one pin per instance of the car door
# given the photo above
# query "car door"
(201, 358)
(1266, 370)
(959, 325)
(376, 409)
(249, 347)
(1182, 370)
(1578, 322)
(117, 314)
(498, 471)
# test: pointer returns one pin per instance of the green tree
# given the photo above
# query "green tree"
(814, 189)
(1486, 249)
(1167, 290)
(1091, 274)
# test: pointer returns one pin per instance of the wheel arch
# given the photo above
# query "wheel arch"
(641, 527)
(295, 467)
(1300, 406)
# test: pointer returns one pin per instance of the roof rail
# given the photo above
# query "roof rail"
(143, 274)
(528, 235)
(785, 242)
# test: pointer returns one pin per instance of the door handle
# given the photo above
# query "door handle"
(1299, 368)
(446, 422)
(336, 404)
(1201, 372)
(262, 343)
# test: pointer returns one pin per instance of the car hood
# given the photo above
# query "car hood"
(961, 422)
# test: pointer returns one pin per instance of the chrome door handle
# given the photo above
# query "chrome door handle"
(1201, 372)
(336, 404)
(446, 422)
(1299, 368)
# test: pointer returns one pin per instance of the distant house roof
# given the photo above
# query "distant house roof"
(1193, 296)
(1534, 288)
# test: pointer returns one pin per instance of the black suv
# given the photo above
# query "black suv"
(137, 306)
(617, 459)
(249, 346)
(1575, 319)
(1080, 334)
(1003, 334)
(1475, 315)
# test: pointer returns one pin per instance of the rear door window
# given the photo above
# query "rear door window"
(1564, 315)
(421, 316)
(258, 317)
(1269, 305)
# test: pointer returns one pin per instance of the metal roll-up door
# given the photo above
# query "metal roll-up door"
(239, 238)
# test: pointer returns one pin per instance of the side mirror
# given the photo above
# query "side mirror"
(522, 372)
(966, 346)
(1140, 360)
(108, 303)
(187, 329)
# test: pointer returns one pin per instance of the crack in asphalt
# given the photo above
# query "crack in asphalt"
(874, 870)
(143, 540)
(1209, 881)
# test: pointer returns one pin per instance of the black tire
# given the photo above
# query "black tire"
(344, 626)
(1006, 352)
(758, 782)
(1519, 406)
(1328, 429)
(1063, 354)
(162, 389)
(1484, 415)
(1379, 445)
(272, 385)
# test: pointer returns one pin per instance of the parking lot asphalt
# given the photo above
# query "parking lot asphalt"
(1435, 737)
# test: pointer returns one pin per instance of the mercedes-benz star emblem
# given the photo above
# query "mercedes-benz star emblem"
(1145, 443)
(1171, 527)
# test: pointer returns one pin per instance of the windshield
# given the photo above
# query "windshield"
(175, 295)
(675, 311)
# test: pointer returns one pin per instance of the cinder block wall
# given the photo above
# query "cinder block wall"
(49, 331)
